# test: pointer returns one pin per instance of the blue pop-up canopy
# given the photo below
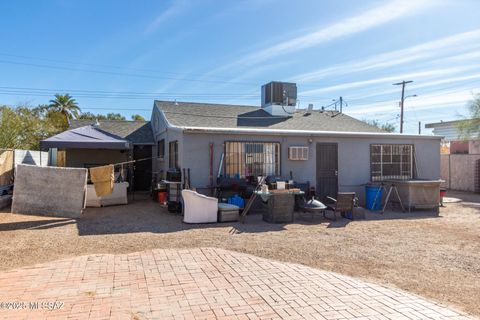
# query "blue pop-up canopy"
(87, 137)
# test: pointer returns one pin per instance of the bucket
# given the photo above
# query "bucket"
(162, 197)
(373, 197)
(443, 192)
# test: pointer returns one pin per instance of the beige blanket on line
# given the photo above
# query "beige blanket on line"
(103, 180)
(6, 167)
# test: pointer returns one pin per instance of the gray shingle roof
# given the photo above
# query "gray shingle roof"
(138, 132)
(189, 114)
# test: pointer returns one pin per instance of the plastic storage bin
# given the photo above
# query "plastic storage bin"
(237, 200)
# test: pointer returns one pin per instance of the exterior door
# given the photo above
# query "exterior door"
(143, 169)
(327, 170)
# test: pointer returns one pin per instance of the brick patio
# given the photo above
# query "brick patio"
(200, 283)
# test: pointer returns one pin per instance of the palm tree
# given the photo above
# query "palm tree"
(65, 105)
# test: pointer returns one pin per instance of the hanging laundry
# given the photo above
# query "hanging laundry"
(6, 167)
(103, 180)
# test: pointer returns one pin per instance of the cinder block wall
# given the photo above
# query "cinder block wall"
(458, 171)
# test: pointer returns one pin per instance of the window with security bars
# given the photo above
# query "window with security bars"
(391, 161)
(244, 159)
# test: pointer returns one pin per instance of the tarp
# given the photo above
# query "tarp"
(87, 137)
(49, 191)
(6, 167)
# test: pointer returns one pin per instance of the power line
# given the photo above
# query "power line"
(125, 92)
(120, 73)
(104, 65)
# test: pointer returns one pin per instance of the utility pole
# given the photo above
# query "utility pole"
(403, 83)
(341, 104)
(419, 127)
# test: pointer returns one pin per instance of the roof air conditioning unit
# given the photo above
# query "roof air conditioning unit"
(279, 98)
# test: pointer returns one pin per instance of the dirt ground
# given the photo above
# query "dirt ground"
(436, 256)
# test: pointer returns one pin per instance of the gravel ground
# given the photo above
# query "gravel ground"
(435, 256)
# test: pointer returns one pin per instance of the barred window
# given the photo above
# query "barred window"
(244, 159)
(391, 161)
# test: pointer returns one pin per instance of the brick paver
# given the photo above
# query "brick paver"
(201, 283)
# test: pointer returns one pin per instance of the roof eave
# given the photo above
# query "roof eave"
(187, 129)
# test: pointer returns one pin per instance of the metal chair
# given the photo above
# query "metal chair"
(344, 203)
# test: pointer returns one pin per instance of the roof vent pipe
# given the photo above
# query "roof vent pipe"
(309, 109)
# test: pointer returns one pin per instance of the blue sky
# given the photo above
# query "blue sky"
(117, 56)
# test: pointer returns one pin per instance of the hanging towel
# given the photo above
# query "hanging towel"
(103, 179)
(6, 167)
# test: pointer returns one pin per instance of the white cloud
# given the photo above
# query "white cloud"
(407, 76)
(434, 100)
(453, 81)
(174, 9)
(459, 42)
(346, 27)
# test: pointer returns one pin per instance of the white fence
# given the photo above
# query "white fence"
(38, 158)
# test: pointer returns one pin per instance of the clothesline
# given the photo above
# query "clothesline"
(126, 162)
(132, 161)
(103, 177)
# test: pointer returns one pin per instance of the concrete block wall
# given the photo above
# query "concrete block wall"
(458, 171)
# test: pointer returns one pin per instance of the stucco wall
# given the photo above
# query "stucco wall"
(77, 158)
(160, 131)
(353, 157)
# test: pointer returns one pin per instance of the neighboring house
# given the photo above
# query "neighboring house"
(90, 143)
(448, 130)
(460, 159)
(452, 140)
(332, 151)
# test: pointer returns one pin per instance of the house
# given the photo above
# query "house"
(453, 141)
(329, 149)
(90, 143)
(460, 158)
